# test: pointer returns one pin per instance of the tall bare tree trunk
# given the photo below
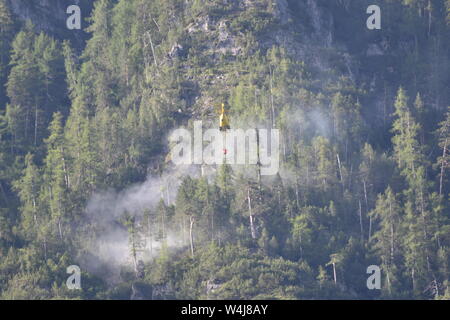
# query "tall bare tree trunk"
(360, 221)
(212, 226)
(45, 248)
(153, 49)
(441, 178)
(35, 125)
(334, 273)
(388, 280)
(191, 235)
(271, 97)
(258, 164)
(340, 170)
(252, 225)
(367, 209)
(60, 229)
(392, 233)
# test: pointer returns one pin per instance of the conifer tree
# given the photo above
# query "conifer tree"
(443, 162)
(421, 224)
(35, 84)
(406, 147)
(28, 188)
(98, 71)
(7, 28)
(56, 179)
(388, 238)
(135, 240)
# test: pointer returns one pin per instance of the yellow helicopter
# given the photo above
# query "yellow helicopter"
(224, 122)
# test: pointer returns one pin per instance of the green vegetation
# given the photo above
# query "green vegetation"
(364, 175)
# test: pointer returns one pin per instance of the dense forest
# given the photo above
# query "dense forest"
(85, 171)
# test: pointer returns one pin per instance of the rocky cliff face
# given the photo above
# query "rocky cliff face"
(297, 36)
(320, 33)
(50, 16)
(304, 28)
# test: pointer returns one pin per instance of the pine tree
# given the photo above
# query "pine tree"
(335, 262)
(347, 123)
(35, 84)
(224, 181)
(23, 88)
(28, 188)
(136, 241)
(420, 223)
(56, 179)
(7, 28)
(443, 163)
(420, 115)
(148, 229)
(388, 238)
(447, 5)
(322, 277)
(323, 156)
(301, 231)
(98, 70)
(406, 147)
(188, 205)
(81, 149)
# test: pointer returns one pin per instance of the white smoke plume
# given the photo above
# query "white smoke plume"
(109, 250)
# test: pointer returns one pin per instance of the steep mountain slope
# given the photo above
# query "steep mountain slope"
(86, 171)
(50, 16)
